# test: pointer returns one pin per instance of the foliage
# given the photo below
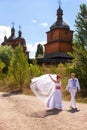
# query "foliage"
(69, 68)
(79, 63)
(81, 27)
(2, 65)
(35, 69)
(6, 53)
(19, 68)
(39, 52)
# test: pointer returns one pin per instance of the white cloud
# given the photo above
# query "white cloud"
(44, 24)
(32, 48)
(4, 30)
(34, 21)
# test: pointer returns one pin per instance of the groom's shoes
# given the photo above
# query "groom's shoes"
(71, 107)
(75, 108)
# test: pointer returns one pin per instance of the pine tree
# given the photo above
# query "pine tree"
(80, 48)
(81, 27)
(39, 52)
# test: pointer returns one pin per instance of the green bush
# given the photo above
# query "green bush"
(18, 74)
(35, 69)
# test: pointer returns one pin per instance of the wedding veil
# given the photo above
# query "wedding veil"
(42, 86)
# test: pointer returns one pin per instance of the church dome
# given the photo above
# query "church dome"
(59, 10)
(59, 23)
(20, 39)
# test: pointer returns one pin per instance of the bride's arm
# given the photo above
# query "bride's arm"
(52, 78)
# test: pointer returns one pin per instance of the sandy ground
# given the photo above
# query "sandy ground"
(21, 112)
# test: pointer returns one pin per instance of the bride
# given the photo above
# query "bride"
(48, 88)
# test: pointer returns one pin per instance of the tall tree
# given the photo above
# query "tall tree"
(81, 27)
(39, 52)
(19, 68)
(80, 48)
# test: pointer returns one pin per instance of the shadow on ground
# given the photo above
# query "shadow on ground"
(17, 92)
(73, 110)
(46, 113)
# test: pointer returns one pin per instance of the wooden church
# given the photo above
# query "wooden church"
(59, 41)
(15, 41)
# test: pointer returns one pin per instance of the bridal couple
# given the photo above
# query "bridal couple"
(48, 88)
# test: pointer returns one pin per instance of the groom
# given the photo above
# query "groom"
(72, 86)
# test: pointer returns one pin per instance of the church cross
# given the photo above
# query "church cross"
(19, 27)
(13, 24)
(59, 1)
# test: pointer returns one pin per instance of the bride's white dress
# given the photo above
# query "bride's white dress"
(45, 89)
(55, 98)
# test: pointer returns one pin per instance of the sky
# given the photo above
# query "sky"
(35, 18)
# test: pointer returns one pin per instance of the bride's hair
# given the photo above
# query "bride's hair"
(58, 76)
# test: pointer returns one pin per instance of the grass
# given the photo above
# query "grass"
(27, 91)
(59, 69)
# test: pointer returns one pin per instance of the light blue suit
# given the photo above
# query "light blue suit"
(72, 86)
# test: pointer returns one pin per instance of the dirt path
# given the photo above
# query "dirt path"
(20, 112)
